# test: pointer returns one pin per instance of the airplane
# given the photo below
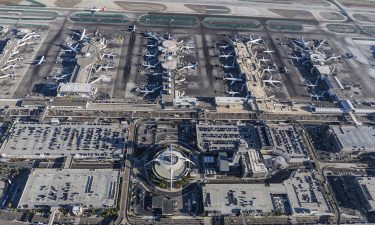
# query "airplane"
(232, 79)
(158, 74)
(82, 35)
(12, 66)
(303, 43)
(333, 57)
(309, 84)
(149, 66)
(264, 60)
(285, 70)
(180, 80)
(149, 55)
(254, 41)
(151, 35)
(29, 37)
(315, 96)
(145, 91)
(233, 93)
(132, 28)
(26, 43)
(271, 81)
(189, 67)
(224, 46)
(320, 44)
(230, 66)
(15, 59)
(37, 62)
(58, 78)
(11, 75)
(106, 67)
(108, 55)
(168, 36)
(226, 56)
(268, 51)
(71, 48)
(96, 10)
(153, 45)
(296, 58)
(269, 70)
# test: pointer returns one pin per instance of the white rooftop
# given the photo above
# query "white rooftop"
(56, 187)
(75, 88)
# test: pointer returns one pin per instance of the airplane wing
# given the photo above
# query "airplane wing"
(233, 81)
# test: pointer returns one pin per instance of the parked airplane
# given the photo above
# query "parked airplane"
(313, 95)
(71, 48)
(149, 66)
(232, 93)
(110, 55)
(268, 51)
(333, 57)
(189, 67)
(255, 41)
(309, 84)
(269, 70)
(271, 81)
(226, 56)
(151, 35)
(296, 58)
(224, 46)
(149, 55)
(11, 75)
(106, 67)
(232, 79)
(264, 60)
(82, 35)
(303, 43)
(230, 66)
(145, 91)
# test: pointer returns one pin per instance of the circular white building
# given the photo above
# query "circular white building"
(170, 164)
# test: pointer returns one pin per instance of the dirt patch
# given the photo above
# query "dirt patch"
(141, 6)
(5, 2)
(358, 3)
(67, 3)
(293, 14)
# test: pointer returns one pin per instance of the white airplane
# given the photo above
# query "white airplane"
(309, 84)
(151, 35)
(26, 43)
(230, 66)
(255, 41)
(71, 48)
(149, 55)
(315, 96)
(264, 60)
(145, 91)
(233, 93)
(58, 78)
(320, 44)
(15, 59)
(37, 62)
(180, 80)
(269, 70)
(189, 67)
(149, 66)
(82, 35)
(110, 55)
(11, 75)
(296, 58)
(226, 56)
(271, 81)
(106, 67)
(12, 66)
(232, 79)
(224, 46)
(153, 45)
(285, 70)
(96, 9)
(132, 28)
(333, 57)
(158, 74)
(29, 37)
(268, 51)
(303, 43)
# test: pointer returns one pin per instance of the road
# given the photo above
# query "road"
(122, 215)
